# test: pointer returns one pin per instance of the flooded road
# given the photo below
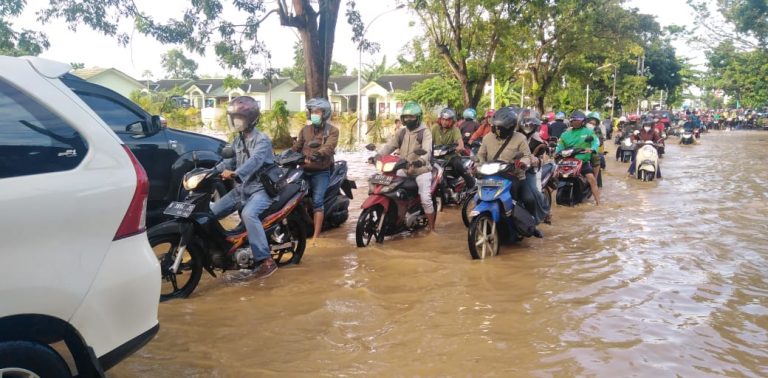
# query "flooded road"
(666, 278)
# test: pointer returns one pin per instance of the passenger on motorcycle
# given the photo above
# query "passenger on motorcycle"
(598, 159)
(544, 128)
(415, 135)
(469, 126)
(484, 129)
(648, 132)
(533, 198)
(253, 151)
(576, 137)
(658, 125)
(319, 161)
(503, 144)
(557, 128)
(444, 133)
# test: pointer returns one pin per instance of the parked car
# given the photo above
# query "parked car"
(165, 153)
(78, 279)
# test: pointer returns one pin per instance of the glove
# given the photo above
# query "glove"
(418, 163)
(520, 165)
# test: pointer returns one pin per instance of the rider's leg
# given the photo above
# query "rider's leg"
(228, 204)
(458, 167)
(318, 181)
(424, 182)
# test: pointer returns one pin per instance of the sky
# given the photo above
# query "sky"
(393, 29)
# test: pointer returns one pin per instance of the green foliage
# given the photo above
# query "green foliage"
(159, 103)
(435, 91)
(278, 122)
(231, 82)
(178, 66)
(14, 42)
(743, 75)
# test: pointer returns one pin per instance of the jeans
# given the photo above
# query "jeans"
(318, 184)
(255, 205)
(533, 198)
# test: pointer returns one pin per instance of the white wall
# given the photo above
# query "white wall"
(116, 83)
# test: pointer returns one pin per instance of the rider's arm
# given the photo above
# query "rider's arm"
(522, 146)
(228, 164)
(426, 145)
(391, 145)
(328, 148)
(478, 134)
(482, 152)
(560, 144)
(459, 140)
(260, 151)
(595, 142)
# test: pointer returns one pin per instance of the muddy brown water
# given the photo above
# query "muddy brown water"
(668, 278)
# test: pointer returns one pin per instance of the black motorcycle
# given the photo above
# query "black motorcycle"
(452, 189)
(194, 240)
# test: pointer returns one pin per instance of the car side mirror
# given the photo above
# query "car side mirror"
(136, 128)
(158, 123)
(227, 152)
(314, 144)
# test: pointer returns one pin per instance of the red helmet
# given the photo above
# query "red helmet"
(489, 113)
(551, 116)
(632, 118)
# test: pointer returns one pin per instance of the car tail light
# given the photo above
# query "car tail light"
(134, 220)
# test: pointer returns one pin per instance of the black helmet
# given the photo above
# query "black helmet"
(528, 121)
(243, 113)
(504, 122)
(648, 121)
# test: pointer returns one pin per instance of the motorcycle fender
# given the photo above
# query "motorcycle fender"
(492, 208)
(647, 167)
(347, 186)
(374, 200)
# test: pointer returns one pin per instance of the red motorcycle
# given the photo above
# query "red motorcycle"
(572, 186)
(393, 204)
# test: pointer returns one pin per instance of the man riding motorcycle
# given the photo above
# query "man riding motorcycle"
(443, 134)
(469, 126)
(576, 137)
(484, 129)
(557, 128)
(319, 162)
(598, 159)
(647, 133)
(533, 198)
(415, 136)
(253, 151)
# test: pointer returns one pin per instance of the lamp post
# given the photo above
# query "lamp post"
(360, 69)
(613, 93)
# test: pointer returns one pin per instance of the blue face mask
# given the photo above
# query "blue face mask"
(316, 119)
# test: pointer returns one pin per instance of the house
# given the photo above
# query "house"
(168, 85)
(342, 94)
(113, 79)
(380, 96)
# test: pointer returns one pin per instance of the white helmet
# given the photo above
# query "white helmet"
(622, 119)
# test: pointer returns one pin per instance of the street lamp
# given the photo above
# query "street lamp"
(360, 69)
(613, 93)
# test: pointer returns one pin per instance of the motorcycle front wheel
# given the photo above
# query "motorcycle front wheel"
(182, 283)
(367, 225)
(466, 208)
(483, 237)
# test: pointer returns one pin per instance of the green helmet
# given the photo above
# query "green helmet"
(411, 109)
(594, 115)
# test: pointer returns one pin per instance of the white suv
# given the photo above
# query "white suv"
(78, 280)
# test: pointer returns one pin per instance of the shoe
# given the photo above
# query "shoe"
(547, 219)
(263, 270)
(537, 233)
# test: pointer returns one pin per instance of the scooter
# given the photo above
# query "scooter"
(393, 204)
(497, 217)
(194, 240)
(647, 162)
(572, 187)
(452, 189)
(687, 137)
(625, 150)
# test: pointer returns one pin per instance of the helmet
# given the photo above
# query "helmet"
(622, 119)
(243, 113)
(469, 113)
(578, 115)
(551, 116)
(560, 116)
(528, 121)
(411, 109)
(504, 122)
(448, 113)
(489, 114)
(633, 118)
(648, 121)
(595, 116)
(321, 103)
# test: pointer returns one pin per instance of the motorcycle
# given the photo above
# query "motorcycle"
(497, 217)
(687, 137)
(452, 189)
(393, 204)
(625, 150)
(194, 240)
(647, 162)
(572, 187)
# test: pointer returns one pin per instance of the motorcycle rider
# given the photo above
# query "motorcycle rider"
(598, 159)
(648, 132)
(253, 151)
(576, 137)
(528, 124)
(415, 135)
(469, 126)
(544, 128)
(319, 161)
(444, 133)
(484, 129)
(557, 128)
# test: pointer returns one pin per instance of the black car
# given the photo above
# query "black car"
(165, 153)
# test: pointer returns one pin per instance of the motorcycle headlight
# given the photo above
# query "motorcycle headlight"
(627, 142)
(438, 153)
(191, 182)
(488, 169)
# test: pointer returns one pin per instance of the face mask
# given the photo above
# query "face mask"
(647, 129)
(590, 126)
(239, 124)
(411, 123)
(316, 119)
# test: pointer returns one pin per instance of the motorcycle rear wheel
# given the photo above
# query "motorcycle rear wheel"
(366, 226)
(166, 247)
(483, 237)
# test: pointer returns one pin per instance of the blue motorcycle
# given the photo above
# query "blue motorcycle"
(497, 217)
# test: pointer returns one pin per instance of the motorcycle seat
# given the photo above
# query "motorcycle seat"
(285, 195)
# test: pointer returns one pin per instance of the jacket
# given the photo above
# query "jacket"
(492, 144)
(248, 165)
(482, 131)
(408, 146)
(576, 138)
(328, 136)
(643, 136)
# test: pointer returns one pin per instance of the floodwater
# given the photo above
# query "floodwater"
(667, 278)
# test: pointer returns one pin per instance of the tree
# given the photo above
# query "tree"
(178, 66)
(296, 72)
(435, 91)
(237, 41)
(18, 43)
(744, 23)
(466, 33)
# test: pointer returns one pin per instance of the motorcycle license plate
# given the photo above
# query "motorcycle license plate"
(381, 180)
(488, 183)
(179, 209)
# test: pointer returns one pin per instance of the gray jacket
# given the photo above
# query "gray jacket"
(409, 145)
(259, 147)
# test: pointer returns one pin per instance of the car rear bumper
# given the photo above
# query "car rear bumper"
(112, 358)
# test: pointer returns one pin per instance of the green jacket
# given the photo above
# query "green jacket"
(576, 138)
(441, 136)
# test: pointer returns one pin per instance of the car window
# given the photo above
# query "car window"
(33, 140)
(117, 116)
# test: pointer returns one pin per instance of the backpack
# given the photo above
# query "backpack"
(401, 136)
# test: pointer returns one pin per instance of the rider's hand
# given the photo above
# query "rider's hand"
(418, 163)
(315, 156)
(520, 165)
(228, 175)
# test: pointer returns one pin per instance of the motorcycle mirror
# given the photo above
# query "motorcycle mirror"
(314, 144)
(420, 152)
(370, 147)
(227, 152)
